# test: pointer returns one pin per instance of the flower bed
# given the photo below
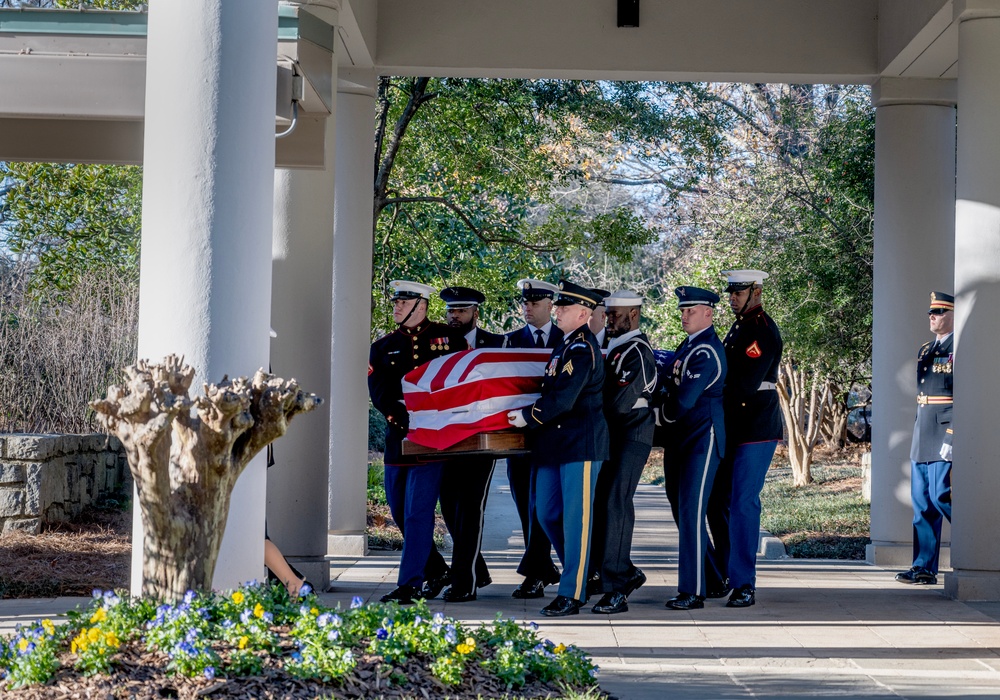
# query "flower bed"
(256, 642)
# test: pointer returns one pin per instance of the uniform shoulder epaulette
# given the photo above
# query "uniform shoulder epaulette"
(926, 345)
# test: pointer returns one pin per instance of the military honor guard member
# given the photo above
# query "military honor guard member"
(930, 451)
(629, 383)
(538, 332)
(694, 437)
(568, 436)
(753, 429)
(411, 487)
(598, 320)
(466, 481)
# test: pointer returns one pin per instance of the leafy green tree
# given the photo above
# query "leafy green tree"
(71, 220)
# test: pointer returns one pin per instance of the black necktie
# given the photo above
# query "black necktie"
(539, 340)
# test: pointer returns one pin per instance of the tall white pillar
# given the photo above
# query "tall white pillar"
(301, 308)
(914, 255)
(352, 289)
(975, 553)
(205, 283)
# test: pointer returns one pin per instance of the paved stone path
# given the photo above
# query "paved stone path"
(819, 629)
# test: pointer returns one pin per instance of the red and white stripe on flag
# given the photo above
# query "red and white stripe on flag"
(458, 395)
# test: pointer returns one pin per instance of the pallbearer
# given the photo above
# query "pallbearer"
(568, 437)
(629, 382)
(411, 487)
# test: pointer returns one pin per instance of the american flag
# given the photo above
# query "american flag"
(465, 393)
(458, 395)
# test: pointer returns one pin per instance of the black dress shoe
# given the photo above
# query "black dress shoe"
(721, 591)
(562, 606)
(635, 583)
(529, 588)
(686, 601)
(483, 583)
(403, 595)
(552, 577)
(594, 584)
(611, 603)
(742, 597)
(432, 586)
(917, 575)
(453, 596)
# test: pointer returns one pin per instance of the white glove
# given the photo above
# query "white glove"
(656, 416)
(516, 418)
(945, 452)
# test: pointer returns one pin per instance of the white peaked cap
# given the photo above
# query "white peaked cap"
(745, 276)
(623, 297)
(537, 284)
(411, 290)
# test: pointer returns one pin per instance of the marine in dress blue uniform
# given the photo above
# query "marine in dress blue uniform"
(568, 436)
(539, 332)
(466, 480)
(930, 450)
(411, 487)
(753, 429)
(693, 436)
(629, 382)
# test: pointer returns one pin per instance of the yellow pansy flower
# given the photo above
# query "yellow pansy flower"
(238, 597)
(243, 642)
(100, 615)
(258, 610)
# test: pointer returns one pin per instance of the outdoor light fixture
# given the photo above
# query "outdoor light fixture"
(628, 13)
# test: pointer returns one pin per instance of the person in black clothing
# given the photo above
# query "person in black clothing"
(693, 436)
(411, 487)
(629, 382)
(930, 449)
(536, 565)
(465, 484)
(753, 429)
(598, 320)
(568, 436)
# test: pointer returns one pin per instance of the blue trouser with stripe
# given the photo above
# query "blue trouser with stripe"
(412, 491)
(564, 499)
(688, 474)
(930, 489)
(734, 514)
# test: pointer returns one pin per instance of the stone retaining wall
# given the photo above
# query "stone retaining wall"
(48, 478)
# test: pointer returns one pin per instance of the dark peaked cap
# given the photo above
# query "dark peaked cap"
(461, 297)
(570, 293)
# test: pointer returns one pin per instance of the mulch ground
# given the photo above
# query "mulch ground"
(68, 559)
(141, 676)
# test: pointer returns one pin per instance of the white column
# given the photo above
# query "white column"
(301, 311)
(352, 285)
(914, 255)
(975, 553)
(205, 284)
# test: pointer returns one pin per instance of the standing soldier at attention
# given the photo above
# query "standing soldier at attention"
(694, 437)
(466, 480)
(568, 437)
(411, 487)
(598, 320)
(753, 430)
(930, 450)
(538, 332)
(629, 382)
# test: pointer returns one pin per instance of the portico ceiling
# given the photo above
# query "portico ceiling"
(75, 86)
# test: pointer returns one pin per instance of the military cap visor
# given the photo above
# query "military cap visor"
(570, 293)
(532, 290)
(604, 293)
(694, 296)
(941, 300)
(405, 289)
(738, 280)
(461, 297)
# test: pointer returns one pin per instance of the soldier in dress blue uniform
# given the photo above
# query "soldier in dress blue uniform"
(568, 436)
(539, 332)
(466, 481)
(930, 451)
(753, 429)
(411, 487)
(629, 383)
(693, 436)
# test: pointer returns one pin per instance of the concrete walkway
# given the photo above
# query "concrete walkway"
(819, 629)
